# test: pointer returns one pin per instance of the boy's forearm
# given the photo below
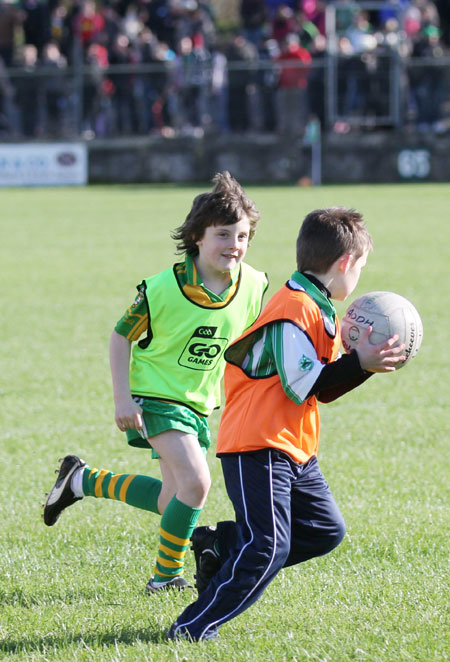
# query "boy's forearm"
(339, 377)
(335, 392)
(119, 357)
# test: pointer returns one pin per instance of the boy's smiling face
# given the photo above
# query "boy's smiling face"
(222, 247)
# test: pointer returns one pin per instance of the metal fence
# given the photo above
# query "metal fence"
(376, 89)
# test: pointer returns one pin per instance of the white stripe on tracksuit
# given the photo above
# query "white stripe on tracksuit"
(216, 596)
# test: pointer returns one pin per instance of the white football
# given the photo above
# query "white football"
(388, 314)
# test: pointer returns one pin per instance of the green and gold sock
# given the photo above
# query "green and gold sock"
(133, 489)
(177, 525)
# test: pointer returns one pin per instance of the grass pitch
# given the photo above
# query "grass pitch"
(70, 260)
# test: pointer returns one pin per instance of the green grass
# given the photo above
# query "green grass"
(69, 260)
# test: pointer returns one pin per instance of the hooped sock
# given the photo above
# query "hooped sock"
(177, 524)
(134, 489)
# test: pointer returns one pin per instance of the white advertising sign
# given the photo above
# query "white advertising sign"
(56, 164)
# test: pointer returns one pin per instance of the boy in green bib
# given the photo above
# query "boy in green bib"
(176, 331)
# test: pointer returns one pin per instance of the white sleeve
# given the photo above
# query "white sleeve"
(297, 363)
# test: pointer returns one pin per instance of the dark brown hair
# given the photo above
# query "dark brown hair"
(327, 234)
(225, 205)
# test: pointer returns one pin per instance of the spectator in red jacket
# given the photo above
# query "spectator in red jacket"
(88, 23)
(294, 64)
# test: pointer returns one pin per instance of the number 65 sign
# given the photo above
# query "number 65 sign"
(414, 163)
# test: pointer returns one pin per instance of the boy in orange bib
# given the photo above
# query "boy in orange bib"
(268, 440)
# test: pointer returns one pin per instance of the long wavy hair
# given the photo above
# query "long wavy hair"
(225, 205)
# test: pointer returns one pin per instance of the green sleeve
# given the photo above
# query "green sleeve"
(134, 322)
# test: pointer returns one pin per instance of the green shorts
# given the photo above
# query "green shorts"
(161, 416)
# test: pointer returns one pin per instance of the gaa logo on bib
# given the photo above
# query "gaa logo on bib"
(203, 350)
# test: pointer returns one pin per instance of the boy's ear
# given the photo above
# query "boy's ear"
(345, 262)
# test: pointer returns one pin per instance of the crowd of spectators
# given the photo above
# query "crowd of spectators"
(124, 67)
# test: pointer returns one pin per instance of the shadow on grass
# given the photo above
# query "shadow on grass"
(129, 636)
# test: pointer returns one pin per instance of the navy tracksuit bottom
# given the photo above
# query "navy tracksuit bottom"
(285, 514)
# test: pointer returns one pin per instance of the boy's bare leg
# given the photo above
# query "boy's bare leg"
(185, 466)
(186, 472)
